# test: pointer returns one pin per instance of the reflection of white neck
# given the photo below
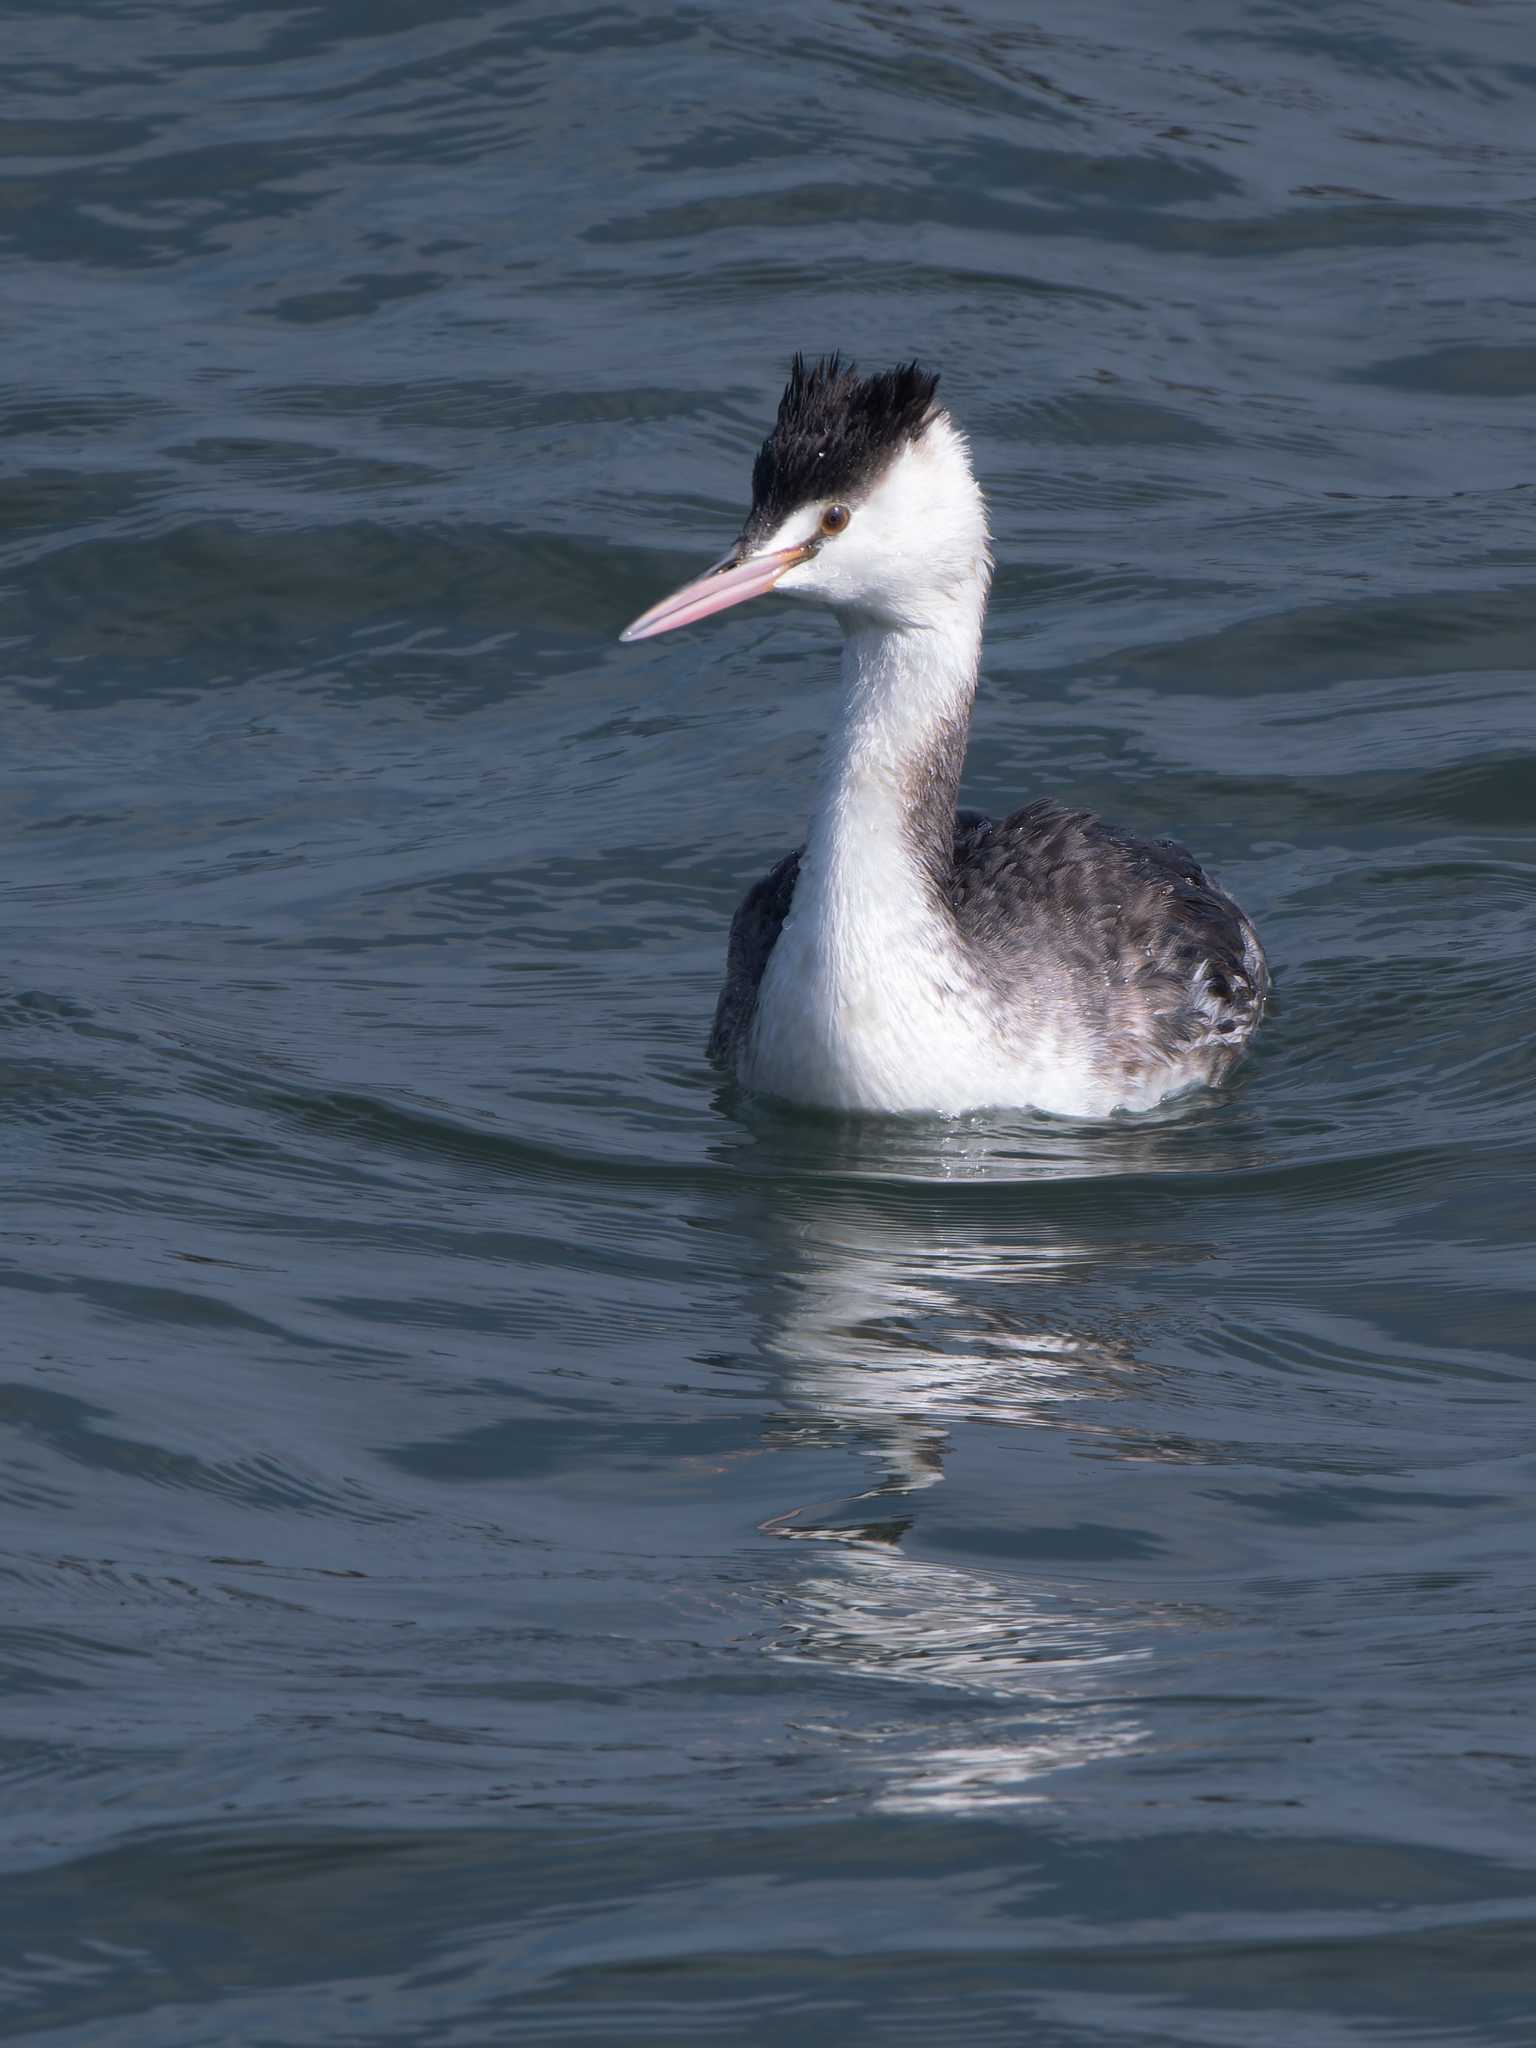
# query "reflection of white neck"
(868, 1001)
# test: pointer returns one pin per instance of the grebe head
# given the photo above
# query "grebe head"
(862, 499)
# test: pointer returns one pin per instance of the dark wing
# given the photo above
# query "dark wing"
(754, 933)
(1160, 962)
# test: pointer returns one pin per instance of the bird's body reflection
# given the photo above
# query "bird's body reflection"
(913, 1312)
(898, 1341)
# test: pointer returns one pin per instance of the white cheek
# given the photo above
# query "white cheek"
(806, 579)
(869, 573)
(828, 575)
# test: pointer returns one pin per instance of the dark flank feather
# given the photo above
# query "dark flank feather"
(1148, 952)
(754, 931)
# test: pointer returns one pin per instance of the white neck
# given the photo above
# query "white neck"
(858, 1008)
(892, 763)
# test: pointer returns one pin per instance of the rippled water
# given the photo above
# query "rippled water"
(503, 1539)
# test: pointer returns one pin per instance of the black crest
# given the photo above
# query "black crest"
(834, 434)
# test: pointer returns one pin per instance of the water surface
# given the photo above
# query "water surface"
(503, 1539)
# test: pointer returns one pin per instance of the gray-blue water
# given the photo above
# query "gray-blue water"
(503, 1539)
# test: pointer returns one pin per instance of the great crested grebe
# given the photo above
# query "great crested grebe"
(911, 957)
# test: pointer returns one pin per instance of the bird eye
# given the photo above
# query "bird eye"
(835, 518)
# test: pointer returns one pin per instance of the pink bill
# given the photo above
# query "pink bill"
(713, 592)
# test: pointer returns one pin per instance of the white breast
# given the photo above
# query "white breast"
(878, 1009)
(877, 1017)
